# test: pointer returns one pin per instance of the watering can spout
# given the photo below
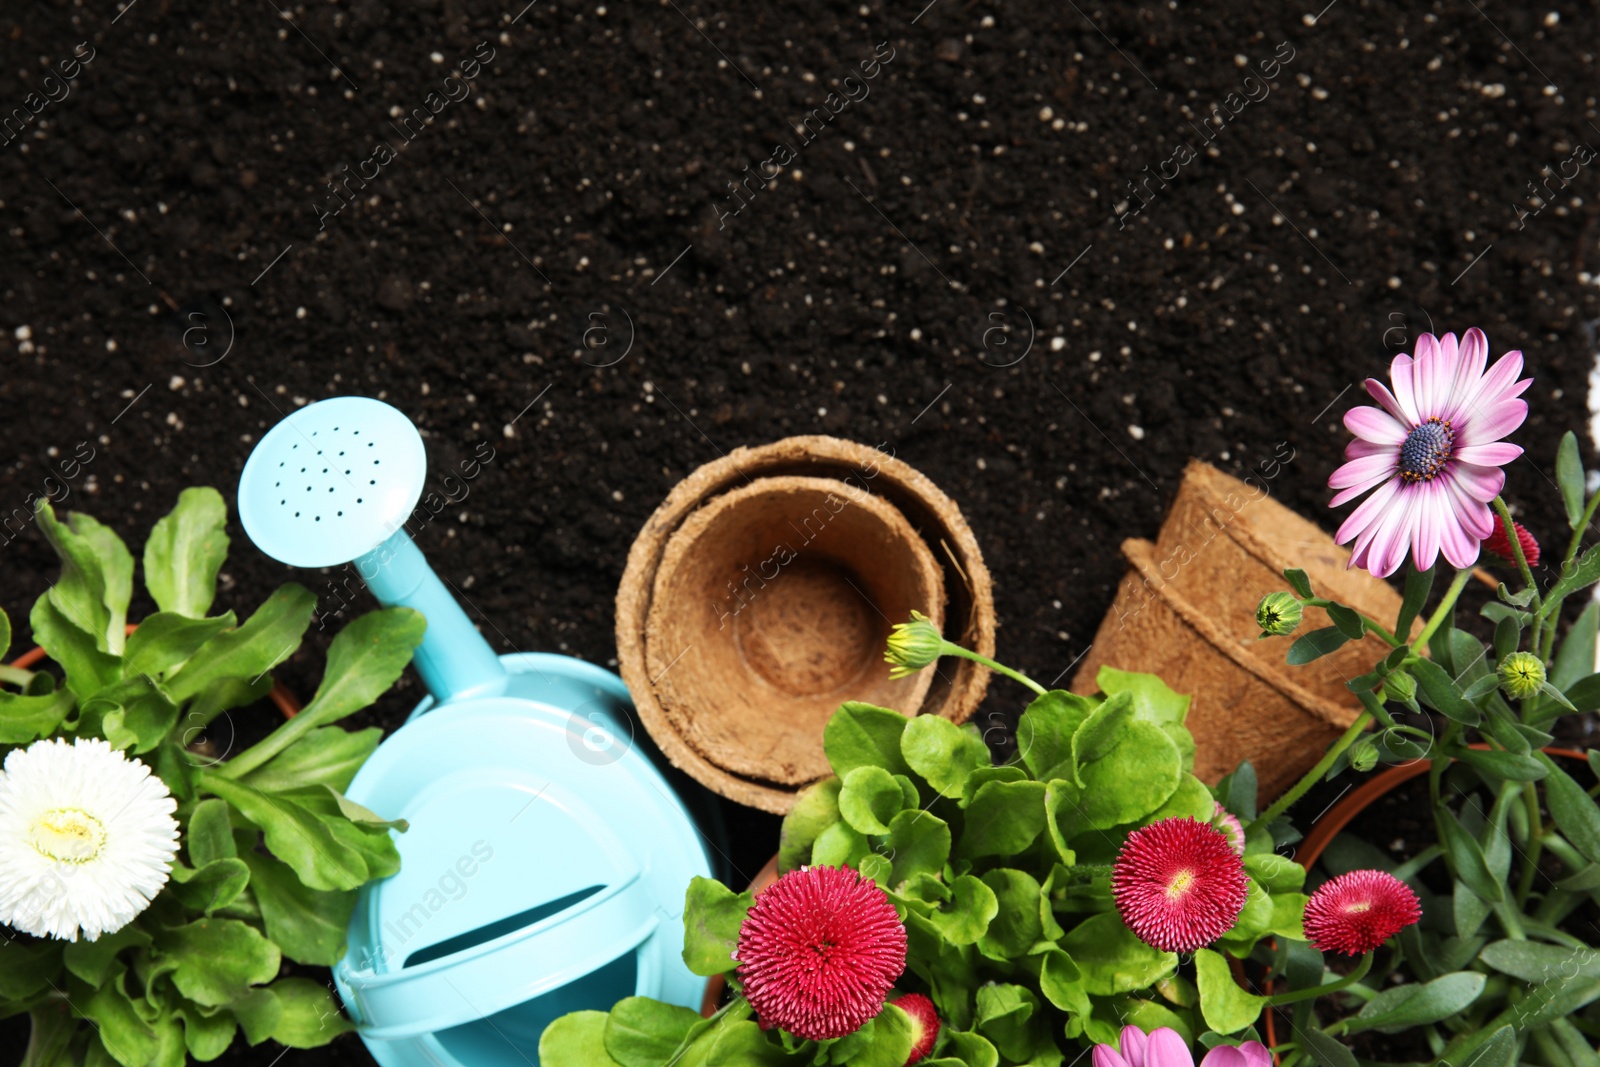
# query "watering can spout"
(453, 659)
(336, 483)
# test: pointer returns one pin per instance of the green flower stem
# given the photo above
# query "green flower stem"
(1530, 864)
(734, 1011)
(1371, 624)
(1446, 605)
(956, 650)
(1350, 979)
(1312, 776)
(1516, 548)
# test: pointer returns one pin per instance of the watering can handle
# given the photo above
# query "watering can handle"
(485, 979)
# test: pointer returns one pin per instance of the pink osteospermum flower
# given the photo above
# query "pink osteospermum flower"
(1432, 453)
(819, 951)
(1178, 884)
(1356, 912)
(1164, 1048)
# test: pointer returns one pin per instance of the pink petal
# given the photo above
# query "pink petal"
(1499, 384)
(1387, 400)
(1166, 1049)
(1256, 1054)
(1485, 425)
(1473, 515)
(1367, 511)
(1357, 449)
(1224, 1056)
(1433, 373)
(1368, 469)
(1493, 455)
(1432, 509)
(1374, 424)
(1106, 1056)
(1471, 356)
(1392, 536)
(1402, 372)
(1480, 483)
(1133, 1042)
(1459, 545)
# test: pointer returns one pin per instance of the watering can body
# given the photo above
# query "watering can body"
(547, 857)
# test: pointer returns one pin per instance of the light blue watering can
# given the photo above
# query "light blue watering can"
(547, 858)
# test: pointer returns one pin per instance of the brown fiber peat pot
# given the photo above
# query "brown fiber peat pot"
(759, 595)
(1186, 610)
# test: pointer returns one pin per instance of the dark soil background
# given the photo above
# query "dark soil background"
(547, 267)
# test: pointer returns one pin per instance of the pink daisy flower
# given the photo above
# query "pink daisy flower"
(1164, 1048)
(1432, 452)
(1356, 912)
(1179, 884)
(819, 950)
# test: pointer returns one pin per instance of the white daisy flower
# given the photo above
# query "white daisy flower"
(87, 838)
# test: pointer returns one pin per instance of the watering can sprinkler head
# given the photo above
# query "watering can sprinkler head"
(335, 484)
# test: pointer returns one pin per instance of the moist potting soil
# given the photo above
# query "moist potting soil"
(1043, 253)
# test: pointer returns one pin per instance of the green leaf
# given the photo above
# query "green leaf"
(258, 1012)
(307, 924)
(1102, 731)
(1347, 620)
(1508, 765)
(1466, 859)
(943, 753)
(185, 550)
(1572, 809)
(1240, 796)
(1575, 658)
(1418, 585)
(840, 845)
(1325, 1050)
(1153, 700)
(308, 1015)
(1418, 1004)
(1298, 582)
(218, 959)
(166, 640)
(1500, 1050)
(1004, 1015)
(1442, 693)
(117, 1021)
(1016, 925)
(206, 1036)
(88, 669)
(265, 640)
(1579, 575)
(1063, 817)
(24, 719)
(328, 756)
(1225, 1007)
(641, 1032)
(576, 1039)
(134, 714)
(96, 575)
(712, 915)
(1534, 962)
(296, 835)
(95, 961)
(973, 1050)
(1003, 819)
(918, 843)
(864, 735)
(1315, 645)
(1044, 732)
(1277, 873)
(214, 886)
(815, 809)
(869, 799)
(1112, 958)
(1192, 798)
(5, 634)
(884, 1042)
(972, 907)
(1569, 476)
(1135, 779)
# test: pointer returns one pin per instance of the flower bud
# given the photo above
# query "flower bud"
(1278, 614)
(1400, 687)
(1521, 675)
(1364, 756)
(913, 645)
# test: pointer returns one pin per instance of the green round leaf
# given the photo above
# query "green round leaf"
(943, 753)
(1133, 780)
(966, 918)
(1225, 1007)
(815, 809)
(870, 798)
(1111, 957)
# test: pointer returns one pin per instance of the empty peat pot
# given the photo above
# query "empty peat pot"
(759, 597)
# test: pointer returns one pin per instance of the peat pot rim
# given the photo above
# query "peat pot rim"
(957, 685)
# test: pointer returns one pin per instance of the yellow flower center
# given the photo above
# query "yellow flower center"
(1180, 884)
(67, 835)
(1358, 907)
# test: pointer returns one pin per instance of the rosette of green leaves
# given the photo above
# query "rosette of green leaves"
(271, 851)
(1002, 876)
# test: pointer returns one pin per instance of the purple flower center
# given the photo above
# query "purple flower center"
(1426, 450)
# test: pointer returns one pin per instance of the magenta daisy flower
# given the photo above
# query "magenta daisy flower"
(1179, 884)
(1432, 452)
(819, 950)
(1356, 912)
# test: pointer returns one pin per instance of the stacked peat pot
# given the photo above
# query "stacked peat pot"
(760, 594)
(1186, 611)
